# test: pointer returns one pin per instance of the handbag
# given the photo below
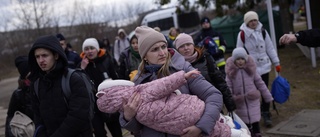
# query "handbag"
(21, 125)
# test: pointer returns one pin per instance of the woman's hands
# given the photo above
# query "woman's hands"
(192, 131)
(130, 108)
(84, 63)
(192, 74)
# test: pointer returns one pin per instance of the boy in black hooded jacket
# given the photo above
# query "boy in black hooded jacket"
(52, 115)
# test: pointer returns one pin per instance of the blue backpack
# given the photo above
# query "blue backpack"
(280, 89)
(209, 44)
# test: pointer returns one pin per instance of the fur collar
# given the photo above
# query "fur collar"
(232, 69)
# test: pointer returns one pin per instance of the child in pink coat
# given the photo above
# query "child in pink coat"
(246, 85)
(163, 107)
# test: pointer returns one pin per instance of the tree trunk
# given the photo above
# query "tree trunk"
(286, 19)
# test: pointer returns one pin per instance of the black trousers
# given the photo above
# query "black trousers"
(254, 128)
(113, 124)
(99, 128)
(265, 106)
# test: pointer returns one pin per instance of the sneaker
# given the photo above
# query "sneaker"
(267, 119)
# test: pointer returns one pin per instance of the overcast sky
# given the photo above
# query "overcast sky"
(7, 7)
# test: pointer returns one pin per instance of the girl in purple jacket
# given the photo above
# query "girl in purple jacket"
(246, 87)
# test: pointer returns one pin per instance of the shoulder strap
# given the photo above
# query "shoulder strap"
(36, 87)
(243, 40)
(65, 83)
(242, 36)
(263, 33)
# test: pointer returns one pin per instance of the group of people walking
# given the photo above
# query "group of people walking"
(202, 72)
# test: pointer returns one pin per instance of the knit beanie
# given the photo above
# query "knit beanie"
(111, 83)
(60, 37)
(239, 53)
(250, 15)
(204, 19)
(21, 62)
(147, 37)
(90, 42)
(182, 39)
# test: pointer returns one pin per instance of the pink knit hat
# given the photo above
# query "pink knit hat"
(147, 37)
(182, 39)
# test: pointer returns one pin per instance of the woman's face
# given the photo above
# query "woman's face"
(90, 52)
(173, 32)
(157, 54)
(240, 62)
(134, 44)
(253, 24)
(186, 49)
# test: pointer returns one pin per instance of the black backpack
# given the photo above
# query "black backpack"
(65, 83)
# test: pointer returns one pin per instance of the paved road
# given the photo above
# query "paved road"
(7, 87)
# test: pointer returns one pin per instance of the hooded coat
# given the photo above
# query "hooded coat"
(55, 116)
(101, 68)
(120, 44)
(128, 63)
(261, 49)
(197, 86)
(246, 87)
(207, 66)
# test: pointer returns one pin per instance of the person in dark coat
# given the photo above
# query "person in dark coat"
(99, 65)
(53, 115)
(21, 97)
(204, 62)
(207, 31)
(310, 38)
(129, 60)
(73, 58)
(107, 46)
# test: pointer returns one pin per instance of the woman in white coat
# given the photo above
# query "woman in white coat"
(256, 40)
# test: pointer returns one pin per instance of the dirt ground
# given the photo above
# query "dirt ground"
(304, 81)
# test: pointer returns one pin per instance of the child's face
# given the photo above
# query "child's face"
(134, 44)
(240, 62)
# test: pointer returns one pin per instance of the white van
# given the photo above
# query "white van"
(187, 22)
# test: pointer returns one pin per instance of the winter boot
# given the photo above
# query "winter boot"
(267, 119)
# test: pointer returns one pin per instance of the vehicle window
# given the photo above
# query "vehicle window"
(164, 24)
(187, 20)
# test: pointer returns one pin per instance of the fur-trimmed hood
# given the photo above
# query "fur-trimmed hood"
(232, 69)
